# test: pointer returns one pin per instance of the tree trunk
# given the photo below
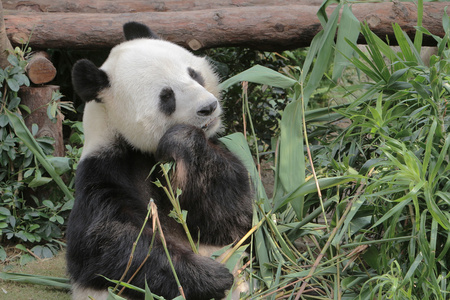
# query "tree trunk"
(128, 6)
(5, 44)
(37, 98)
(261, 27)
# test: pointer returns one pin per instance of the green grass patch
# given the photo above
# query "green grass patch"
(53, 267)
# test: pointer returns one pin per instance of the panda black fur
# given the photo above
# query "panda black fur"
(152, 101)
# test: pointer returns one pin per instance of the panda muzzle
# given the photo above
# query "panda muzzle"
(208, 124)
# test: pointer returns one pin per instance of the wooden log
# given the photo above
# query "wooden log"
(127, 6)
(40, 69)
(5, 45)
(260, 27)
(37, 98)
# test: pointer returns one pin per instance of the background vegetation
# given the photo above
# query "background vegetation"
(384, 178)
(360, 207)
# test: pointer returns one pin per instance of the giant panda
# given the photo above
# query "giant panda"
(152, 101)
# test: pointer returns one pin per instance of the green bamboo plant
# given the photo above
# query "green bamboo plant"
(388, 232)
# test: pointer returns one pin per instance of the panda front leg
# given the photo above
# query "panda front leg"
(215, 189)
(215, 185)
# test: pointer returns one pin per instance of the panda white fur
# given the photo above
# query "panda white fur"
(152, 101)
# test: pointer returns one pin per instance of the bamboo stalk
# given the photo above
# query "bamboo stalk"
(176, 205)
(134, 247)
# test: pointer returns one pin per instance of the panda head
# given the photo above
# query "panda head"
(145, 86)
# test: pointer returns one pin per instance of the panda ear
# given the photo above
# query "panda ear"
(135, 30)
(88, 80)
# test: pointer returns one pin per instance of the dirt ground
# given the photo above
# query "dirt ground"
(267, 177)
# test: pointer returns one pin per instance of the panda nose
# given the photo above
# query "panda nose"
(207, 109)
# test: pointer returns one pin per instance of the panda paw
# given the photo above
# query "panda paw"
(181, 142)
(214, 281)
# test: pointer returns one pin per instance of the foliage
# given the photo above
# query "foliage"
(403, 123)
(384, 179)
(29, 217)
(264, 102)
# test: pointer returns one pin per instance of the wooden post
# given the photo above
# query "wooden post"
(40, 69)
(5, 44)
(37, 99)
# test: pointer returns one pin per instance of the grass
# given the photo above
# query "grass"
(56, 266)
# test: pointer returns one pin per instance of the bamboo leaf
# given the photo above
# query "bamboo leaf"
(376, 57)
(310, 56)
(412, 269)
(237, 144)
(148, 293)
(442, 155)
(406, 45)
(37, 279)
(419, 35)
(355, 208)
(262, 252)
(236, 257)
(367, 66)
(446, 21)
(322, 14)
(382, 46)
(349, 27)
(397, 208)
(395, 77)
(286, 250)
(446, 247)
(291, 170)
(127, 285)
(429, 147)
(261, 75)
(421, 90)
(324, 55)
(436, 212)
(311, 187)
(112, 296)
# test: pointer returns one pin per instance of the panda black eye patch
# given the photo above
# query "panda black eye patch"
(196, 76)
(167, 101)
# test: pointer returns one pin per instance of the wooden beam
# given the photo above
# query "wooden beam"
(261, 27)
(128, 6)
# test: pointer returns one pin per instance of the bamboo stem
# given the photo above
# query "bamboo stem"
(163, 241)
(134, 248)
(177, 207)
